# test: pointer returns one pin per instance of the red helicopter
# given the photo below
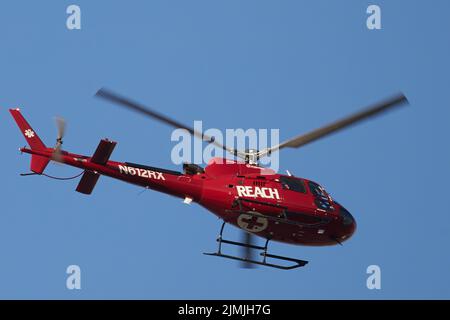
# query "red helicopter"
(257, 200)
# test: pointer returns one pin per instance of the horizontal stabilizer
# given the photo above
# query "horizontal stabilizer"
(103, 151)
(87, 182)
(101, 157)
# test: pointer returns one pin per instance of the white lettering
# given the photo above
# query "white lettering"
(249, 191)
(373, 21)
(274, 193)
(141, 172)
(74, 20)
(181, 152)
(374, 280)
(123, 169)
(241, 191)
(190, 310)
(74, 279)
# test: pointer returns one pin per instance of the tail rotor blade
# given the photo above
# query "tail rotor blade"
(61, 130)
(61, 126)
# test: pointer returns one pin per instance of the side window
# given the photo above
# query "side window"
(293, 184)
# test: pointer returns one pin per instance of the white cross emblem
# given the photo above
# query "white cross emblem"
(252, 223)
(29, 133)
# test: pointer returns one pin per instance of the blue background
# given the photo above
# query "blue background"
(293, 65)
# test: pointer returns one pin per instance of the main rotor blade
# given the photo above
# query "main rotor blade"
(125, 102)
(367, 113)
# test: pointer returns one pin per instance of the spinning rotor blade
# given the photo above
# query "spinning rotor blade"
(367, 113)
(247, 252)
(61, 127)
(125, 102)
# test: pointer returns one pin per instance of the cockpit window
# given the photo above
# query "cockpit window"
(293, 184)
(322, 199)
(317, 190)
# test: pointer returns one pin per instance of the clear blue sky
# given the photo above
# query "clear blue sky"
(292, 65)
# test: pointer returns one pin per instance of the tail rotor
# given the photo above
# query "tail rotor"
(61, 129)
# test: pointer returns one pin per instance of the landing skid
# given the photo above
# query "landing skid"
(296, 262)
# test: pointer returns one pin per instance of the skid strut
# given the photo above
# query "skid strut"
(296, 262)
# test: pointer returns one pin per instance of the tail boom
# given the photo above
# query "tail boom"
(158, 179)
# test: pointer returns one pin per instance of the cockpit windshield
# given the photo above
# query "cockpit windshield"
(293, 184)
(322, 199)
(317, 190)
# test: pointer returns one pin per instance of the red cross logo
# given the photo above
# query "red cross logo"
(252, 223)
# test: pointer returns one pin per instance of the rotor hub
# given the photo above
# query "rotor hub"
(252, 156)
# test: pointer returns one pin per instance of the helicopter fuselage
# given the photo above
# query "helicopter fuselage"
(270, 205)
